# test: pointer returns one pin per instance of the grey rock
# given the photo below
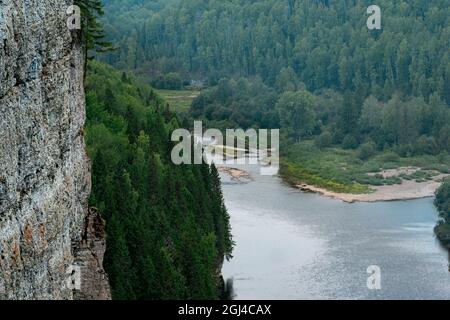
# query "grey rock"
(89, 253)
(44, 169)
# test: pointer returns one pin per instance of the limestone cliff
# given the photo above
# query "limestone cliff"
(44, 170)
(88, 254)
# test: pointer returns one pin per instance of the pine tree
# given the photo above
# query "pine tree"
(225, 241)
(92, 33)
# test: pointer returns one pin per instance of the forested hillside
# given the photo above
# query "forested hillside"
(384, 89)
(167, 227)
(324, 43)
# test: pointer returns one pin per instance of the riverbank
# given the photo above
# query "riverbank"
(343, 175)
(236, 175)
(407, 190)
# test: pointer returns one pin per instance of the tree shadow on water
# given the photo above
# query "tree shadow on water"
(228, 292)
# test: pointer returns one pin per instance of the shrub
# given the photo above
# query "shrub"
(442, 201)
(366, 151)
(389, 157)
(404, 150)
(426, 145)
(349, 142)
(324, 140)
(170, 81)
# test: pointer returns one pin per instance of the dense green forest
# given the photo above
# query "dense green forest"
(167, 227)
(442, 203)
(324, 43)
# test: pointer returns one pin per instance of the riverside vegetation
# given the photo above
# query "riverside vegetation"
(442, 203)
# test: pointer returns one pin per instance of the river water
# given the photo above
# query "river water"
(295, 245)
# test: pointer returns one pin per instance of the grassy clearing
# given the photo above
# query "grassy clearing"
(179, 100)
(342, 171)
(296, 174)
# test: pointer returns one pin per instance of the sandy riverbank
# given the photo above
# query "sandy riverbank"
(236, 174)
(407, 190)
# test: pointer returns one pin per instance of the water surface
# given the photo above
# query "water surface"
(294, 245)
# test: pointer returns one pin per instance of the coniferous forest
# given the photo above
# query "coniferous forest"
(167, 227)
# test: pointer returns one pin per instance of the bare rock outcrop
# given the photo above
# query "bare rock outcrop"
(44, 169)
(89, 253)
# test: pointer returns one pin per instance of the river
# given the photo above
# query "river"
(295, 245)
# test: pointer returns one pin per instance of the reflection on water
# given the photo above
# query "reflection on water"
(293, 245)
(228, 290)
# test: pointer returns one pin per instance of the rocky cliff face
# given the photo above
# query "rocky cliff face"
(88, 254)
(44, 170)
